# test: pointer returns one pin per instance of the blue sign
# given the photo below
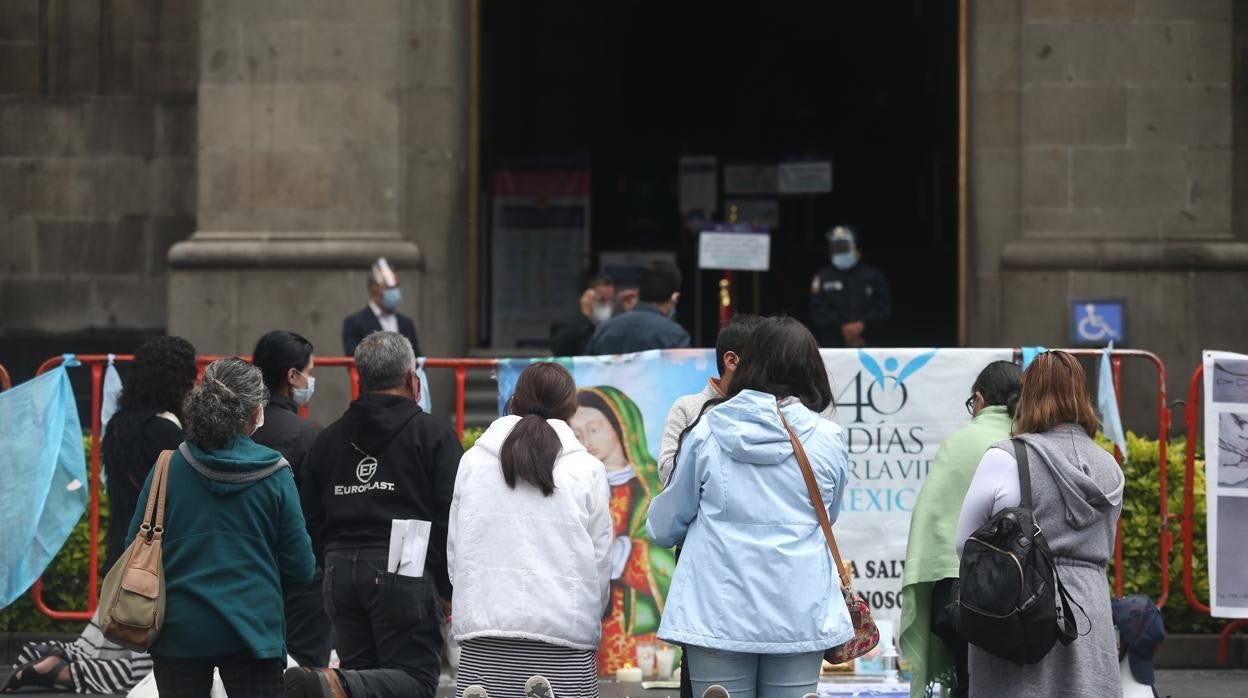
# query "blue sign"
(1097, 322)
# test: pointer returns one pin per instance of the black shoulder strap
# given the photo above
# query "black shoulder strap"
(1024, 474)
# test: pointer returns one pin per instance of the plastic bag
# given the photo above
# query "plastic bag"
(44, 473)
(111, 394)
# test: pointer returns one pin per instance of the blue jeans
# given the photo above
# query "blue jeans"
(748, 675)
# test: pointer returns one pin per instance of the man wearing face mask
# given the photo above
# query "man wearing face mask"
(569, 338)
(650, 324)
(848, 299)
(384, 459)
(382, 311)
(285, 360)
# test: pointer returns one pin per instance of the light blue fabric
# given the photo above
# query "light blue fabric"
(755, 573)
(44, 474)
(750, 675)
(1030, 354)
(1107, 404)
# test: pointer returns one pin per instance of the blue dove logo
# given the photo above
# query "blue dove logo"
(887, 393)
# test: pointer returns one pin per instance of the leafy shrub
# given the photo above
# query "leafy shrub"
(471, 434)
(1140, 531)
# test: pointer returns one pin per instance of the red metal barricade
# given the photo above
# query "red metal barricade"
(1165, 537)
(1192, 418)
(96, 363)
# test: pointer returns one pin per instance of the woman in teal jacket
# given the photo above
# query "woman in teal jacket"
(234, 538)
(756, 598)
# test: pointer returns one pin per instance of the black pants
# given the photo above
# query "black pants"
(385, 626)
(307, 627)
(244, 676)
(943, 594)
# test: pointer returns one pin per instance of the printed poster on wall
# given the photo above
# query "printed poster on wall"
(896, 405)
(1226, 481)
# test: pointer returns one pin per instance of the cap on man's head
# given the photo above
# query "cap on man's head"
(383, 275)
(842, 236)
(1140, 630)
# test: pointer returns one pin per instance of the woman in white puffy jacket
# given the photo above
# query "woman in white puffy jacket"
(529, 547)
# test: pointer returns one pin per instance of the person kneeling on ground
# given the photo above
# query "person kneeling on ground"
(384, 459)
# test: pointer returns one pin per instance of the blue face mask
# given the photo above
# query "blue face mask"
(390, 298)
(844, 261)
(303, 395)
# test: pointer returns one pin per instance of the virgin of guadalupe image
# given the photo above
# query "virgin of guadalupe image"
(610, 426)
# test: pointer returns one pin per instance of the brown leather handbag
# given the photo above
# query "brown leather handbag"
(866, 635)
(132, 599)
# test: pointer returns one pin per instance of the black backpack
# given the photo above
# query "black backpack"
(1009, 588)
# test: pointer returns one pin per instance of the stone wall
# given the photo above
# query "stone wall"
(97, 160)
(1101, 166)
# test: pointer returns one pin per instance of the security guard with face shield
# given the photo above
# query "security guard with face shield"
(848, 299)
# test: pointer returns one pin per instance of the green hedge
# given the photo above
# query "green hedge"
(66, 579)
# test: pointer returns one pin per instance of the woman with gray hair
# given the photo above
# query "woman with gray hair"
(234, 536)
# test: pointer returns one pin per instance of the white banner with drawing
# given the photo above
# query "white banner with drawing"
(1226, 481)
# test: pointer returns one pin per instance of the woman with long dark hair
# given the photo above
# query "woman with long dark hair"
(285, 360)
(927, 637)
(755, 599)
(528, 548)
(1076, 491)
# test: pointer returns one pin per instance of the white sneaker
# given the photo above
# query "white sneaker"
(716, 691)
(538, 687)
(475, 691)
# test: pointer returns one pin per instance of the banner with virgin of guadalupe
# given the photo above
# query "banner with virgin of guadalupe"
(896, 406)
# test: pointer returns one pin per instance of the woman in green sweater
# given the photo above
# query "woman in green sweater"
(934, 650)
(234, 538)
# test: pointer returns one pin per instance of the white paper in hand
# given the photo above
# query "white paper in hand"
(409, 542)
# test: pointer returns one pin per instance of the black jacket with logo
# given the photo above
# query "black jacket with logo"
(384, 459)
(838, 297)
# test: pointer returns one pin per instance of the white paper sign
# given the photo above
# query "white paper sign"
(805, 177)
(409, 543)
(1226, 481)
(738, 251)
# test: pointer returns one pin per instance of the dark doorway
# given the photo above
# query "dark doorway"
(634, 86)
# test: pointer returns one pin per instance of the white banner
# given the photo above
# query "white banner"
(897, 407)
(1226, 481)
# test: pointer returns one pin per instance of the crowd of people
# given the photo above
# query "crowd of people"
(277, 531)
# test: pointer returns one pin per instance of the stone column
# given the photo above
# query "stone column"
(1101, 157)
(304, 172)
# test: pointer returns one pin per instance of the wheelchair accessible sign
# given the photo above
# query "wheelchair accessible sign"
(1095, 323)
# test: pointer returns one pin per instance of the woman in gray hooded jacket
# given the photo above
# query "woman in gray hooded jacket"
(1077, 497)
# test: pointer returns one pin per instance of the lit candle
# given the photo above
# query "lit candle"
(628, 674)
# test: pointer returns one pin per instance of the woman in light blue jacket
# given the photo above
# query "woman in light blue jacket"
(756, 598)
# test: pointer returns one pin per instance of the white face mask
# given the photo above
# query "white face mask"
(259, 419)
(601, 313)
(303, 395)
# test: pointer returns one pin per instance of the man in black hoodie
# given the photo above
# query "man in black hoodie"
(384, 459)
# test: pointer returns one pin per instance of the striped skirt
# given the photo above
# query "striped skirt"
(96, 665)
(502, 665)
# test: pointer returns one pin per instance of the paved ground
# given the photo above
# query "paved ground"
(1175, 683)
